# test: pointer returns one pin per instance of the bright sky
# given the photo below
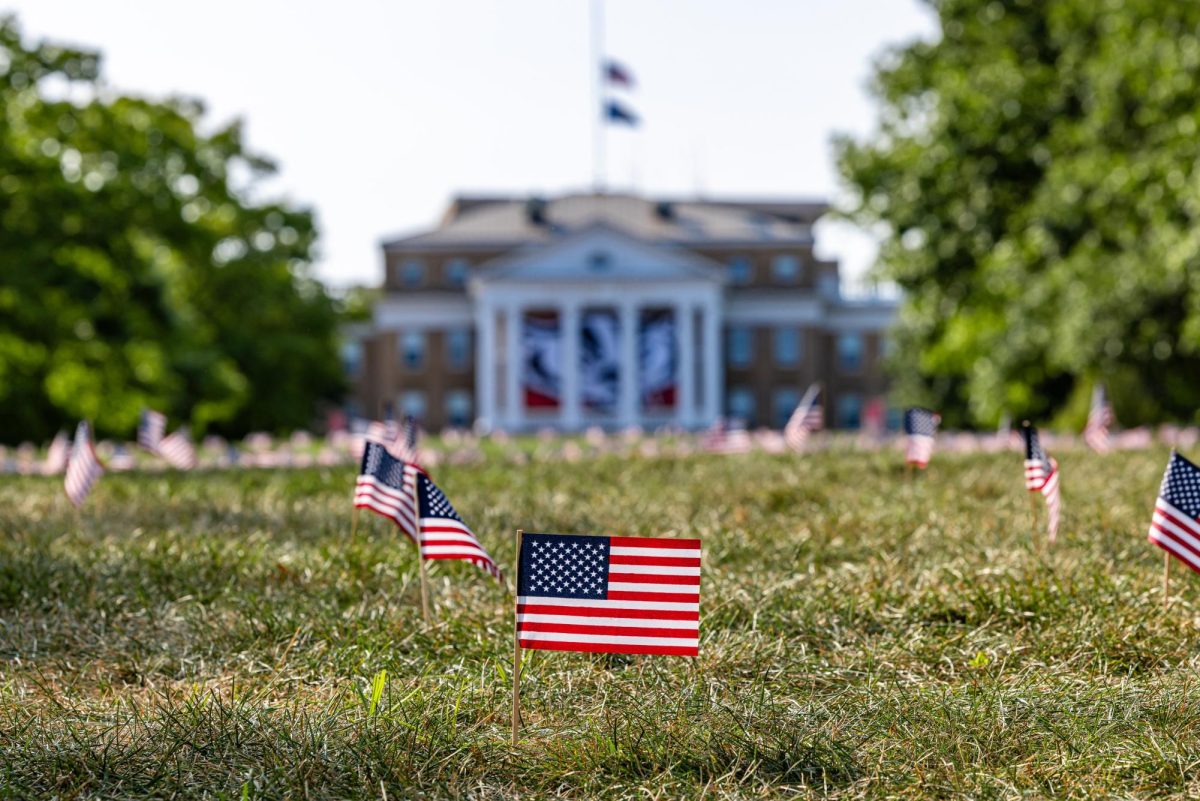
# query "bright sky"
(379, 111)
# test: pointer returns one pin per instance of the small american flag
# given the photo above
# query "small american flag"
(384, 433)
(725, 437)
(1176, 523)
(404, 446)
(808, 417)
(57, 455)
(921, 426)
(83, 468)
(1041, 475)
(625, 595)
(177, 449)
(404, 494)
(151, 427)
(1100, 417)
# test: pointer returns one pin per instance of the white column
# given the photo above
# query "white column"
(627, 398)
(685, 354)
(570, 413)
(485, 363)
(515, 413)
(714, 361)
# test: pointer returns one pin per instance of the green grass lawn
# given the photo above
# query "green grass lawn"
(216, 635)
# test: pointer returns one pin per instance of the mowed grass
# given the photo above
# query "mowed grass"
(217, 635)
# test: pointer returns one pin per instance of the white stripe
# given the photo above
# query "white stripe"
(452, 536)
(452, 550)
(661, 570)
(628, 587)
(1188, 536)
(682, 553)
(399, 494)
(405, 520)
(685, 625)
(609, 639)
(397, 506)
(445, 523)
(1166, 542)
(569, 603)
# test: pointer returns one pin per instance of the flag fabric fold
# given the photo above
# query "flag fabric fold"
(1175, 526)
(1042, 475)
(630, 595)
(83, 466)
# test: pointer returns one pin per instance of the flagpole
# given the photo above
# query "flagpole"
(516, 711)
(597, 89)
(354, 523)
(421, 559)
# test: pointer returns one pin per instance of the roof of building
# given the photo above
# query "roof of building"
(473, 220)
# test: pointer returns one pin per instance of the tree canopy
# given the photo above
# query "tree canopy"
(1035, 180)
(136, 271)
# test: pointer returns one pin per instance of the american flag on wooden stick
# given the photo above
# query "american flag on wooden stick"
(151, 427)
(808, 417)
(921, 426)
(177, 449)
(726, 437)
(1176, 524)
(625, 595)
(404, 446)
(57, 455)
(404, 494)
(1100, 417)
(1041, 475)
(83, 467)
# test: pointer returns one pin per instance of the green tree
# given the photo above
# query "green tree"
(1035, 177)
(135, 270)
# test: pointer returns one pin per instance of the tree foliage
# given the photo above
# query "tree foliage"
(1035, 176)
(135, 269)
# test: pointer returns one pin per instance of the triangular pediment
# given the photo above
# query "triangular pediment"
(600, 253)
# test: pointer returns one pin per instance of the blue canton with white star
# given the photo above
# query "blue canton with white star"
(1181, 486)
(1034, 452)
(920, 422)
(433, 502)
(564, 566)
(382, 465)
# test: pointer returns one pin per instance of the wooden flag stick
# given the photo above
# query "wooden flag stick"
(1033, 505)
(516, 715)
(1166, 579)
(354, 523)
(424, 586)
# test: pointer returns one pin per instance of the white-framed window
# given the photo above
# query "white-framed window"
(786, 345)
(458, 408)
(457, 270)
(458, 348)
(412, 272)
(849, 411)
(783, 403)
(850, 352)
(740, 405)
(785, 268)
(741, 270)
(412, 403)
(412, 349)
(739, 346)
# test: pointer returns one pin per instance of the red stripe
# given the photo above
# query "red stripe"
(474, 558)
(608, 648)
(451, 529)
(1173, 537)
(614, 631)
(649, 578)
(1180, 545)
(659, 561)
(670, 597)
(602, 611)
(652, 542)
(451, 543)
(1190, 526)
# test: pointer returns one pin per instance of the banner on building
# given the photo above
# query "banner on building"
(541, 360)
(600, 360)
(658, 362)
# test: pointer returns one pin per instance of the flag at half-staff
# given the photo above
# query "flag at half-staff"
(628, 595)
(1175, 526)
(808, 417)
(83, 467)
(1041, 475)
(1100, 417)
(920, 426)
(404, 494)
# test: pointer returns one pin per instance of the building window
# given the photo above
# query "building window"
(783, 404)
(849, 411)
(458, 408)
(741, 271)
(456, 272)
(850, 352)
(786, 346)
(785, 268)
(412, 272)
(828, 285)
(412, 349)
(412, 404)
(740, 405)
(351, 358)
(458, 348)
(739, 346)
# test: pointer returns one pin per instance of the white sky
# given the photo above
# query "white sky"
(377, 112)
